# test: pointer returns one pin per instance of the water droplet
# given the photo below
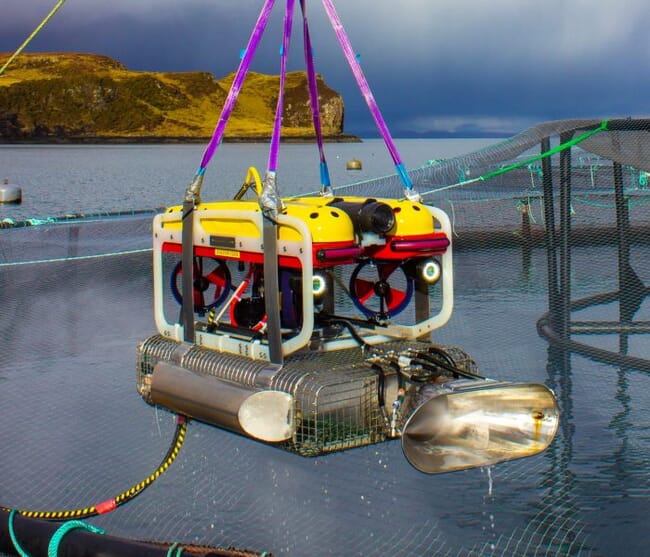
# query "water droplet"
(489, 475)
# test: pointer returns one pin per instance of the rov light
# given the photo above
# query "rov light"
(318, 285)
(429, 270)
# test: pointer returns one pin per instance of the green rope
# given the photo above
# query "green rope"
(55, 541)
(178, 548)
(33, 34)
(53, 547)
(509, 168)
(12, 535)
(604, 205)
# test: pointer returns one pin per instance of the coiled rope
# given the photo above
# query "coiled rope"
(55, 541)
(124, 497)
(33, 34)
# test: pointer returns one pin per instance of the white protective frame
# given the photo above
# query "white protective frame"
(301, 250)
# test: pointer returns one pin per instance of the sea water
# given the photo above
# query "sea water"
(76, 432)
(62, 179)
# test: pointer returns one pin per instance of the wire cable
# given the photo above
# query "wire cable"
(32, 35)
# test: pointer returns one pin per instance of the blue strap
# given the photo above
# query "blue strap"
(53, 547)
(324, 176)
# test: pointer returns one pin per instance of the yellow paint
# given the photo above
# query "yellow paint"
(327, 224)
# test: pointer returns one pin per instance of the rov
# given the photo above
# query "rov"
(314, 344)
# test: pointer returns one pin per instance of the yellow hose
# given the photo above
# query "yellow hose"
(125, 496)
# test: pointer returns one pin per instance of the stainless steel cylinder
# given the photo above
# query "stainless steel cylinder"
(266, 415)
(467, 423)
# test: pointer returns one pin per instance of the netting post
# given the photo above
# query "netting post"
(565, 236)
(631, 290)
(526, 238)
(73, 241)
(625, 312)
(549, 236)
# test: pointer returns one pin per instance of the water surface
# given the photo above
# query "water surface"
(76, 432)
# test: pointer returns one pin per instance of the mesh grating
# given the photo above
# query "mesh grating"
(337, 409)
(336, 393)
(336, 405)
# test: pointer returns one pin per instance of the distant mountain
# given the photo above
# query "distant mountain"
(87, 97)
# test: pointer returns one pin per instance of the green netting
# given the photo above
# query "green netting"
(491, 169)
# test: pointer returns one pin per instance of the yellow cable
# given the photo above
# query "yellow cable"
(34, 33)
(125, 496)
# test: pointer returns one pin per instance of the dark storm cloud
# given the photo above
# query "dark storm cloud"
(165, 36)
(466, 66)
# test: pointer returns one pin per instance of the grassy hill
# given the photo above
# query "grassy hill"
(69, 96)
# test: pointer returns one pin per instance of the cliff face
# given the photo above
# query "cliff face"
(77, 96)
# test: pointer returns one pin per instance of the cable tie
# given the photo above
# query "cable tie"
(106, 506)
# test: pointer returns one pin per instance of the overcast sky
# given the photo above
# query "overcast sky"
(465, 67)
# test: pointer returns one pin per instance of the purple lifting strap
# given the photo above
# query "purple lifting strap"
(277, 124)
(236, 86)
(337, 25)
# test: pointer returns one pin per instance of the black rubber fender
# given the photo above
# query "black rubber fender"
(34, 537)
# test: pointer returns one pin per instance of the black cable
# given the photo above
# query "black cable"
(381, 384)
(350, 327)
(440, 352)
(400, 374)
(449, 365)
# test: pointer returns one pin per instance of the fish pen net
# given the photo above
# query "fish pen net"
(490, 188)
(535, 237)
